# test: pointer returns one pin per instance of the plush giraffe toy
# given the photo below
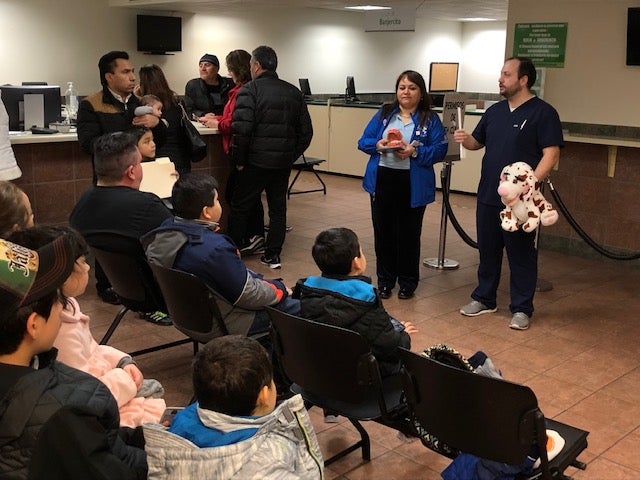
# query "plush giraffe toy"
(525, 206)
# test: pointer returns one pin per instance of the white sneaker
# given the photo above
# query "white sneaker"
(519, 321)
(475, 308)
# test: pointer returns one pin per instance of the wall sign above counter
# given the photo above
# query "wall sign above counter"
(395, 20)
(544, 43)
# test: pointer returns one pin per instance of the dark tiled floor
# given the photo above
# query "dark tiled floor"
(581, 355)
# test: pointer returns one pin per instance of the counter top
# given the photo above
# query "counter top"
(601, 140)
(26, 138)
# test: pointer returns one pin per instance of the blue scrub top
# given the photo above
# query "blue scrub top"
(517, 136)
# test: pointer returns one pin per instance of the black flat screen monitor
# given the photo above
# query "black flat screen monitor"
(304, 87)
(633, 36)
(159, 34)
(350, 92)
(45, 102)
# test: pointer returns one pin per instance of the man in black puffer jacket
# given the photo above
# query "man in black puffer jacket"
(271, 129)
(47, 407)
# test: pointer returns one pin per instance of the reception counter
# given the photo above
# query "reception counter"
(598, 177)
(55, 171)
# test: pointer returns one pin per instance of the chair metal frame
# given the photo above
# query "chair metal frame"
(333, 368)
(133, 282)
(488, 417)
(192, 304)
(304, 164)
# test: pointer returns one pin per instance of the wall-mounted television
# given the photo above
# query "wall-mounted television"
(443, 77)
(350, 92)
(304, 86)
(633, 36)
(159, 34)
(33, 105)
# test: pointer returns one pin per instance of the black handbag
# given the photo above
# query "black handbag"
(196, 145)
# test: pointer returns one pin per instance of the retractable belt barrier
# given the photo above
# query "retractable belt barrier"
(448, 210)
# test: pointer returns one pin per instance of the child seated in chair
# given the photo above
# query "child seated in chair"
(36, 389)
(344, 297)
(235, 429)
(138, 398)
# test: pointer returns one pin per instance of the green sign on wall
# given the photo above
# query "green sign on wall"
(544, 43)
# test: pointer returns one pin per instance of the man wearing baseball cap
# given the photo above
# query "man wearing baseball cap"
(205, 97)
(37, 392)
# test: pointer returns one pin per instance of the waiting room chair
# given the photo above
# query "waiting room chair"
(124, 264)
(334, 369)
(304, 164)
(192, 305)
(487, 417)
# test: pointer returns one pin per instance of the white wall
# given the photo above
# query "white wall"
(483, 54)
(41, 40)
(595, 85)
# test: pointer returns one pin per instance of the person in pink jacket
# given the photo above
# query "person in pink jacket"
(138, 399)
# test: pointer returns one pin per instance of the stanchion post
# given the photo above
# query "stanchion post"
(542, 285)
(441, 262)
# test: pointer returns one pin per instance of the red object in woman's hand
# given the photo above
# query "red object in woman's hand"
(394, 138)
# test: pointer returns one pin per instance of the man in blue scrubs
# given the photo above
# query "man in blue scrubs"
(521, 128)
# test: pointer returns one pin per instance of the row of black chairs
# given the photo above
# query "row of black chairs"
(334, 369)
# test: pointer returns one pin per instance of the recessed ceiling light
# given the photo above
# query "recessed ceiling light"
(476, 19)
(367, 7)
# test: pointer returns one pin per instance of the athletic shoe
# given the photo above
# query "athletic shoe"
(332, 418)
(272, 262)
(255, 246)
(519, 321)
(475, 308)
(288, 228)
(157, 317)
(109, 296)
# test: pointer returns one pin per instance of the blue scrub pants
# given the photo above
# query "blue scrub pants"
(521, 254)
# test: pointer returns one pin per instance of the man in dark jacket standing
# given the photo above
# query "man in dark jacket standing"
(112, 108)
(271, 129)
(206, 96)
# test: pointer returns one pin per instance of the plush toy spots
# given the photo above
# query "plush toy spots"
(525, 206)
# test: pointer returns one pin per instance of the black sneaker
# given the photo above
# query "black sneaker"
(288, 228)
(254, 247)
(157, 318)
(109, 296)
(272, 262)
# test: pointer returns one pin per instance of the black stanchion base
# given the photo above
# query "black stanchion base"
(445, 264)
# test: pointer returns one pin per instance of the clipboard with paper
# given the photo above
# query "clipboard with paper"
(158, 177)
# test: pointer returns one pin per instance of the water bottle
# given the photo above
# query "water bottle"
(71, 101)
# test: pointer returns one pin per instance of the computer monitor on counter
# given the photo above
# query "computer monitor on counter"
(350, 92)
(31, 105)
(304, 87)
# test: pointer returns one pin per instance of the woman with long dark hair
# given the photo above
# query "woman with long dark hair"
(404, 139)
(153, 82)
(240, 71)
